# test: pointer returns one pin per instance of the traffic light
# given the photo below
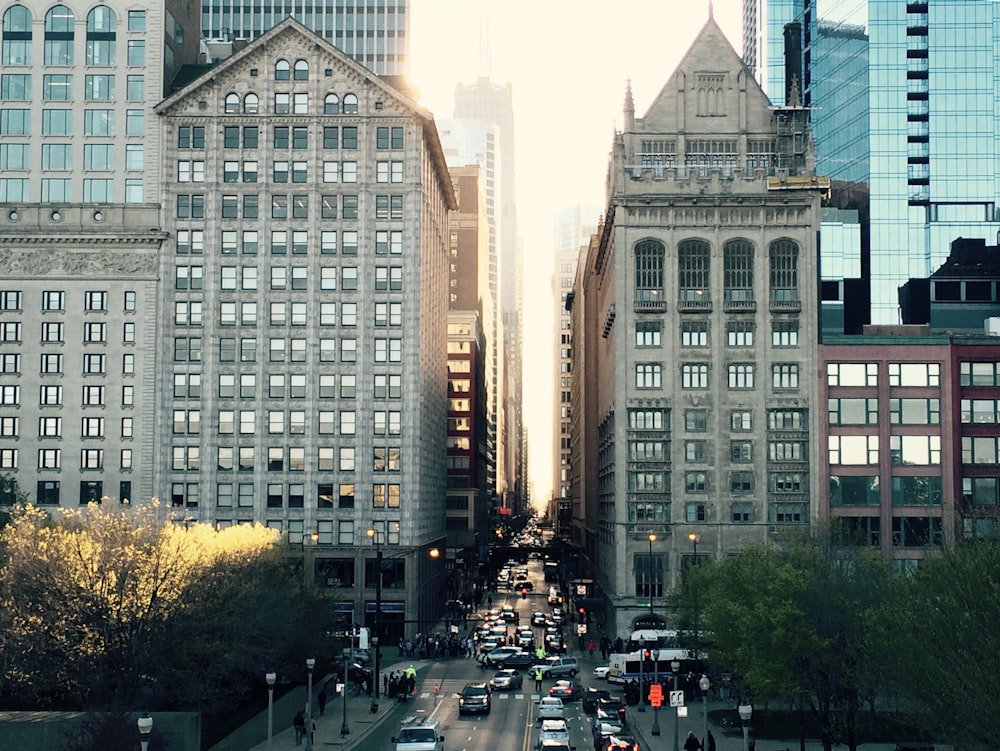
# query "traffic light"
(646, 654)
(583, 614)
(524, 593)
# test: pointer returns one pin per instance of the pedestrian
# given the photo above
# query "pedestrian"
(591, 646)
(299, 723)
(322, 701)
(711, 741)
(691, 743)
(312, 734)
(385, 683)
(538, 679)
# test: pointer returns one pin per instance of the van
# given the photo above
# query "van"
(419, 734)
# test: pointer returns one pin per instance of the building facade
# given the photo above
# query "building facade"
(702, 331)
(81, 233)
(303, 348)
(375, 35)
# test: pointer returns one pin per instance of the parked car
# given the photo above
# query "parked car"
(506, 680)
(593, 695)
(475, 697)
(566, 689)
(601, 671)
(557, 666)
(550, 708)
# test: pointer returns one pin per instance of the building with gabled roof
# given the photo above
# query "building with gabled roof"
(700, 332)
(306, 283)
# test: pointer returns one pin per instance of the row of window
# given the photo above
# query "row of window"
(59, 36)
(866, 374)
(903, 449)
(92, 396)
(291, 103)
(247, 170)
(59, 122)
(740, 482)
(53, 363)
(696, 420)
(384, 385)
(283, 241)
(56, 157)
(694, 271)
(292, 206)
(738, 333)
(54, 332)
(52, 427)
(279, 459)
(93, 300)
(696, 375)
(901, 411)
(58, 87)
(60, 190)
(697, 452)
(907, 532)
(864, 490)
(386, 278)
(244, 349)
(741, 512)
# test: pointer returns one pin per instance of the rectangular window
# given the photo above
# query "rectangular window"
(853, 449)
(785, 334)
(916, 373)
(853, 411)
(785, 376)
(915, 411)
(852, 374)
(739, 333)
(694, 334)
(694, 376)
(915, 449)
(740, 376)
(648, 375)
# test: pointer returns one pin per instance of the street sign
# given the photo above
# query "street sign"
(656, 692)
(676, 698)
(656, 701)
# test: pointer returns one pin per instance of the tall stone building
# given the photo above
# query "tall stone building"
(303, 347)
(80, 233)
(700, 333)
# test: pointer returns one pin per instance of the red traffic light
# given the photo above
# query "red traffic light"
(646, 654)
(583, 611)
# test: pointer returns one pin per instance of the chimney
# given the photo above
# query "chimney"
(239, 43)
(793, 64)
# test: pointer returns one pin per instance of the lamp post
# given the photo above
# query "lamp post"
(745, 711)
(704, 684)
(694, 537)
(642, 679)
(652, 538)
(675, 667)
(376, 632)
(270, 678)
(310, 664)
(145, 724)
(656, 679)
(345, 730)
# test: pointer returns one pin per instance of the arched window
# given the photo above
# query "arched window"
(737, 271)
(251, 104)
(59, 36)
(301, 70)
(101, 36)
(649, 256)
(350, 104)
(331, 104)
(282, 71)
(693, 266)
(232, 104)
(784, 257)
(16, 36)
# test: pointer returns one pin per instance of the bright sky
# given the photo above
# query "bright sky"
(568, 62)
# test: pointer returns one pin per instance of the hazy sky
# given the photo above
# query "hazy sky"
(568, 62)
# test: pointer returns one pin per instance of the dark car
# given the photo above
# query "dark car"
(475, 698)
(567, 689)
(519, 659)
(593, 695)
(612, 710)
(524, 584)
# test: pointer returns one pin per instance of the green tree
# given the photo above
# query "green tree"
(111, 603)
(797, 625)
(949, 643)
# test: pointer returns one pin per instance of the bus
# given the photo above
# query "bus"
(651, 638)
(624, 667)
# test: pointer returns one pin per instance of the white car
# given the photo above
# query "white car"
(553, 730)
(601, 671)
(550, 708)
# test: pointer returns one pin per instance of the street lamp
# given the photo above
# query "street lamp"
(372, 532)
(310, 664)
(270, 678)
(656, 680)
(652, 538)
(145, 724)
(345, 730)
(745, 711)
(694, 537)
(704, 684)
(675, 667)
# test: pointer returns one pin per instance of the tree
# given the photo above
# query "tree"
(949, 645)
(799, 625)
(108, 602)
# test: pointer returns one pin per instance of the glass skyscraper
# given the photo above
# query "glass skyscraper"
(927, 133)
(374, 34)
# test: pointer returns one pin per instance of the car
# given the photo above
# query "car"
(612, 710)
(524, 640)
(604, 730)
(593, 695)
(419, 734)
(538, 618)
(522, 584)
(475, 698)
(557, 666)
(550, 708)
(553, 730)
(520, 659)
(601, 671)
(498, 655)
(566, 689)
(509, 614)
(488, 644)
(620, 742)
(506, 680)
